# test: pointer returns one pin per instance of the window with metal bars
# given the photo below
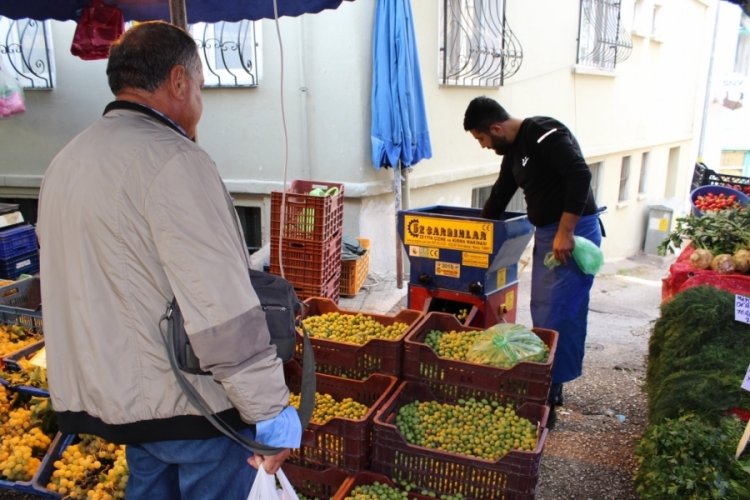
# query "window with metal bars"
(230, 53)
(477, 48)
(26, 52)
(602, 41)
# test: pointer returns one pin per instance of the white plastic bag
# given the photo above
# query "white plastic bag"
(264, 486)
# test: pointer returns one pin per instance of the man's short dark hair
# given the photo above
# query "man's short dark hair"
(482, 112)
(143, 57)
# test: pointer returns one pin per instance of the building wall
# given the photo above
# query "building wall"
(650, 103)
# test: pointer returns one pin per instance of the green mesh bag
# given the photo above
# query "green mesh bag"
(504, 345)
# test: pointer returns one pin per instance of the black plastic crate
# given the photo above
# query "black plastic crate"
(704, 176)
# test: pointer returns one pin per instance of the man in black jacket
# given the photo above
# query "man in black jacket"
(543, 158)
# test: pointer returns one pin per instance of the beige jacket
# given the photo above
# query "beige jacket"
(132, 213)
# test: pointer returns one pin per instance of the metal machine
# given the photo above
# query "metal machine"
(463, 264)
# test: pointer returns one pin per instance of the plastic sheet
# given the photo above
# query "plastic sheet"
(505, 345)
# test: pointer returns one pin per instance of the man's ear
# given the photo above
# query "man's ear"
(496, 128)
(177, 83)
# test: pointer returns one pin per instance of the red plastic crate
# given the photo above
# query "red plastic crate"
(340, 442)
(307, 289)
(307, 217)
(306, 262)
(313, 482)
(357, 361)
(367, 477)
(527, 381)
(513, 476)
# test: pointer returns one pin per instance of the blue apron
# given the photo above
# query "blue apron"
(560, 298)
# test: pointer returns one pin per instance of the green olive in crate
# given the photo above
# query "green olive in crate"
(351, 328)
(15, 337)
(482, 429)
(326, 408)
(452, 344)
(376, 491)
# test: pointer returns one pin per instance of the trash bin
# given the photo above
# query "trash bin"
(658, 225)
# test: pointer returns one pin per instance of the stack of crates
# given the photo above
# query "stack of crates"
(306, 233)
(19, 251)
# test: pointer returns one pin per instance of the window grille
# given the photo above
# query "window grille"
(230, 53)
(478, 48)
(26, 52)
(602, 41)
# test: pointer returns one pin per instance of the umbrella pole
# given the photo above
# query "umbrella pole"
(178, 14)
(399, 253)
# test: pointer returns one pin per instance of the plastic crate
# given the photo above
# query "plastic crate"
(351, 360)
(306, 262)
(44, 474)
(704, 176)
(368, 477)
(307, 217)
(21, 304)
(313, 482)
(22, 264)
(527, 381)
(354, 271)
(47, 467)
(307, 289)
(10, 363)
(515, 475)
(17, 240)
(19, 486)
(716, 190)
(340, 442)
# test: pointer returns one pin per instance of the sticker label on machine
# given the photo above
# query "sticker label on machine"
(451, 234)
(502, 277)
(510, 300)
(449, 269)
(429, 253)
(475, 259)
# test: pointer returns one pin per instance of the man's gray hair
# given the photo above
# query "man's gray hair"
(143, 57)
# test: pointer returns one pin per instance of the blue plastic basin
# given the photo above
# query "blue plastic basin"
(741, 197)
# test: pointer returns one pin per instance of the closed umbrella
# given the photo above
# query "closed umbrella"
(399, 133)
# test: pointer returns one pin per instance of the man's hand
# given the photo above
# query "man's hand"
(564, 242)
(271, 463)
